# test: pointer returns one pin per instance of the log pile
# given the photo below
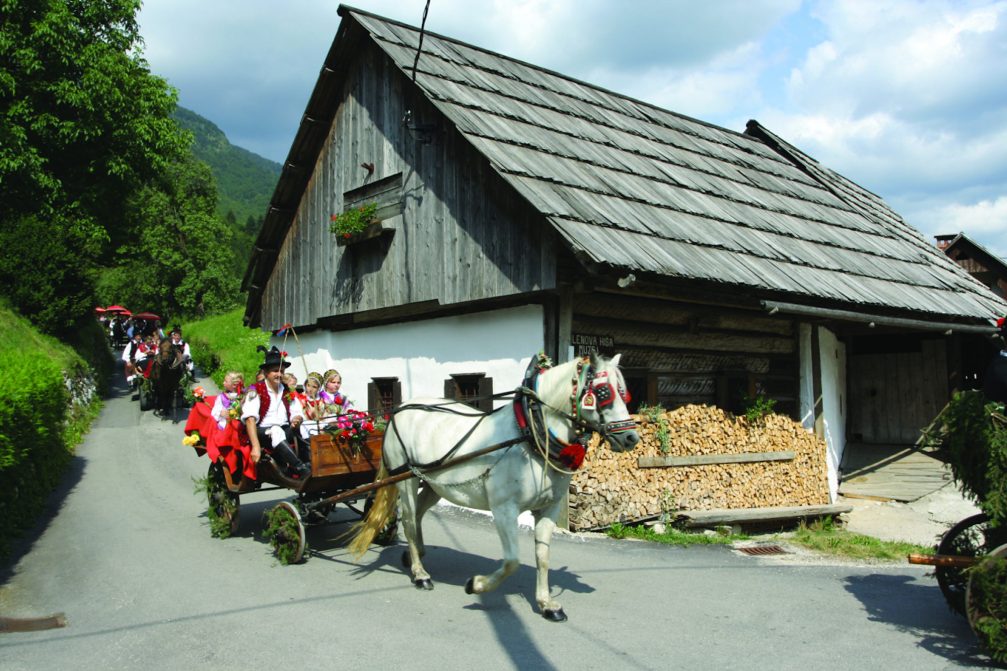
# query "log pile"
(610, 487)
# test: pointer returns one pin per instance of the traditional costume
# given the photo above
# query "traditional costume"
(273, 411)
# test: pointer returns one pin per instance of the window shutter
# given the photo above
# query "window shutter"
(373, 399)
(486, 390)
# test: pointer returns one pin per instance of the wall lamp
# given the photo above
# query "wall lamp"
(421, 132)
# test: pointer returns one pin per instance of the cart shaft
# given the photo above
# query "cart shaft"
(954, 561)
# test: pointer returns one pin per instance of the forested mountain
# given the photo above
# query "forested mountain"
(245, 180)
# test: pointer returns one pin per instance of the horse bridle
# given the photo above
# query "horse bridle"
(592, 390)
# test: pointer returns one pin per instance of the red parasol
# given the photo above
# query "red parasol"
(150, 316)
(116, 308)
(99, 310)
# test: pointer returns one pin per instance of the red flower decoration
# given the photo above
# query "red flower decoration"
(572, 456)
(333, 217)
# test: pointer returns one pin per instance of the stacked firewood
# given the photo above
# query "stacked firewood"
(611, 487)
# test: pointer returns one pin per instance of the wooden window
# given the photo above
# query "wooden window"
(732, 389)
(384, 394)
(385, 192)
(472, 389)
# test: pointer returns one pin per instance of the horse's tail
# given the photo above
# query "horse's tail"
(381, 512)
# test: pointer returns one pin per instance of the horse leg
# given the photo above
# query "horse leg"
(545, 524)
(427, 498)
(505, 518)
(409, 514)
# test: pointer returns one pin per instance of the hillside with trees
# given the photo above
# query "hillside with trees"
(245, 180)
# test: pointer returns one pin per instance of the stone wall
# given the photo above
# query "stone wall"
(611, 487)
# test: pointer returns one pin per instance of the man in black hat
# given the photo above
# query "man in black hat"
(272, 414)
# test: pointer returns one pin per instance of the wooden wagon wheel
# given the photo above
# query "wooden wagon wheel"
(285, 532)
(224, 506)
(972, 537)
(986, 602)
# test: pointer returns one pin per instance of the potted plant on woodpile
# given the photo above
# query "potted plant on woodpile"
(356, 224)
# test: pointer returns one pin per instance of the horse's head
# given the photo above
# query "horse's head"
(603, 400)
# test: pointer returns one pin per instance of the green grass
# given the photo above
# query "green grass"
(19, 337)
(825, 537)
(822, 536)
(223, 343)
(671, 536)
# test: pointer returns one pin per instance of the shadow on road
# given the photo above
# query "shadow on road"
(23, 545)
(917, 608)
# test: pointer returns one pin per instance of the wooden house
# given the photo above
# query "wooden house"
(518, 210)
(977, 261)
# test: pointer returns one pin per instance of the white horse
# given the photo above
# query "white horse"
(554, 414)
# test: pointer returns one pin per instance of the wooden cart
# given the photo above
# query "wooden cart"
(972, 540)
(337, 466)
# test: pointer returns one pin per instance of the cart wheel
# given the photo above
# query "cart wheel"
(146, 398)
(985, 603)
(285, 533)
(972, 537)
(224, 506)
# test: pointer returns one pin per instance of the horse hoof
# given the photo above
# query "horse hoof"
(470, 587)
(554, 615)
(424, 583)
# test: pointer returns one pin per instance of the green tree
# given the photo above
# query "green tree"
(180, 260)
(83, 125)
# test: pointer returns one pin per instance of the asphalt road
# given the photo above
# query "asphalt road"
(128, 557)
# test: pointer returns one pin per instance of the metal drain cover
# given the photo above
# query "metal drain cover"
(762, 550)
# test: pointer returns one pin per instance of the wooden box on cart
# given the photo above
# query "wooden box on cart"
(331, 456)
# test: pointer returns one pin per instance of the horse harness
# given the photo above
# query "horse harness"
(591, 390)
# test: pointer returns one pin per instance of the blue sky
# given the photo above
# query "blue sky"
(908, 98)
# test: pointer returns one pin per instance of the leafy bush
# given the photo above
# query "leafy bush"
(33, 451)
(758, 407)
(975, 445)
(223, 343)
(39, 426)
(655, 414)
(988, 602)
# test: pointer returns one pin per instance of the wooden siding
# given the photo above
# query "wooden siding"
(893, 395)
(695, 354)
(461, 235)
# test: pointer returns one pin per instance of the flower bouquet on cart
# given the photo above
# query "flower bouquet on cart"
(352, 428)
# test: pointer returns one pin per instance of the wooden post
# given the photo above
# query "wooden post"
(816, 382)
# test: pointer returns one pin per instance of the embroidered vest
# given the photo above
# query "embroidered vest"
(264, 400)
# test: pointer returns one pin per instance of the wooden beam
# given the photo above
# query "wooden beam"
(707, 459)
(704, 518)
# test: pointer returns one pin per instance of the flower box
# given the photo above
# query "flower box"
(375, 230)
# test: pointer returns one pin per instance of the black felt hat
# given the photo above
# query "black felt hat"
(274, 358)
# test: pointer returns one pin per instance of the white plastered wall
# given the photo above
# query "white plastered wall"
(423, 354)
(834, 405)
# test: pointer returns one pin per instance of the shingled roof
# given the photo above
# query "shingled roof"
(633, 187)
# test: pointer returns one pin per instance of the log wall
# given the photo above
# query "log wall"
(678, 353)
(611, 487)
